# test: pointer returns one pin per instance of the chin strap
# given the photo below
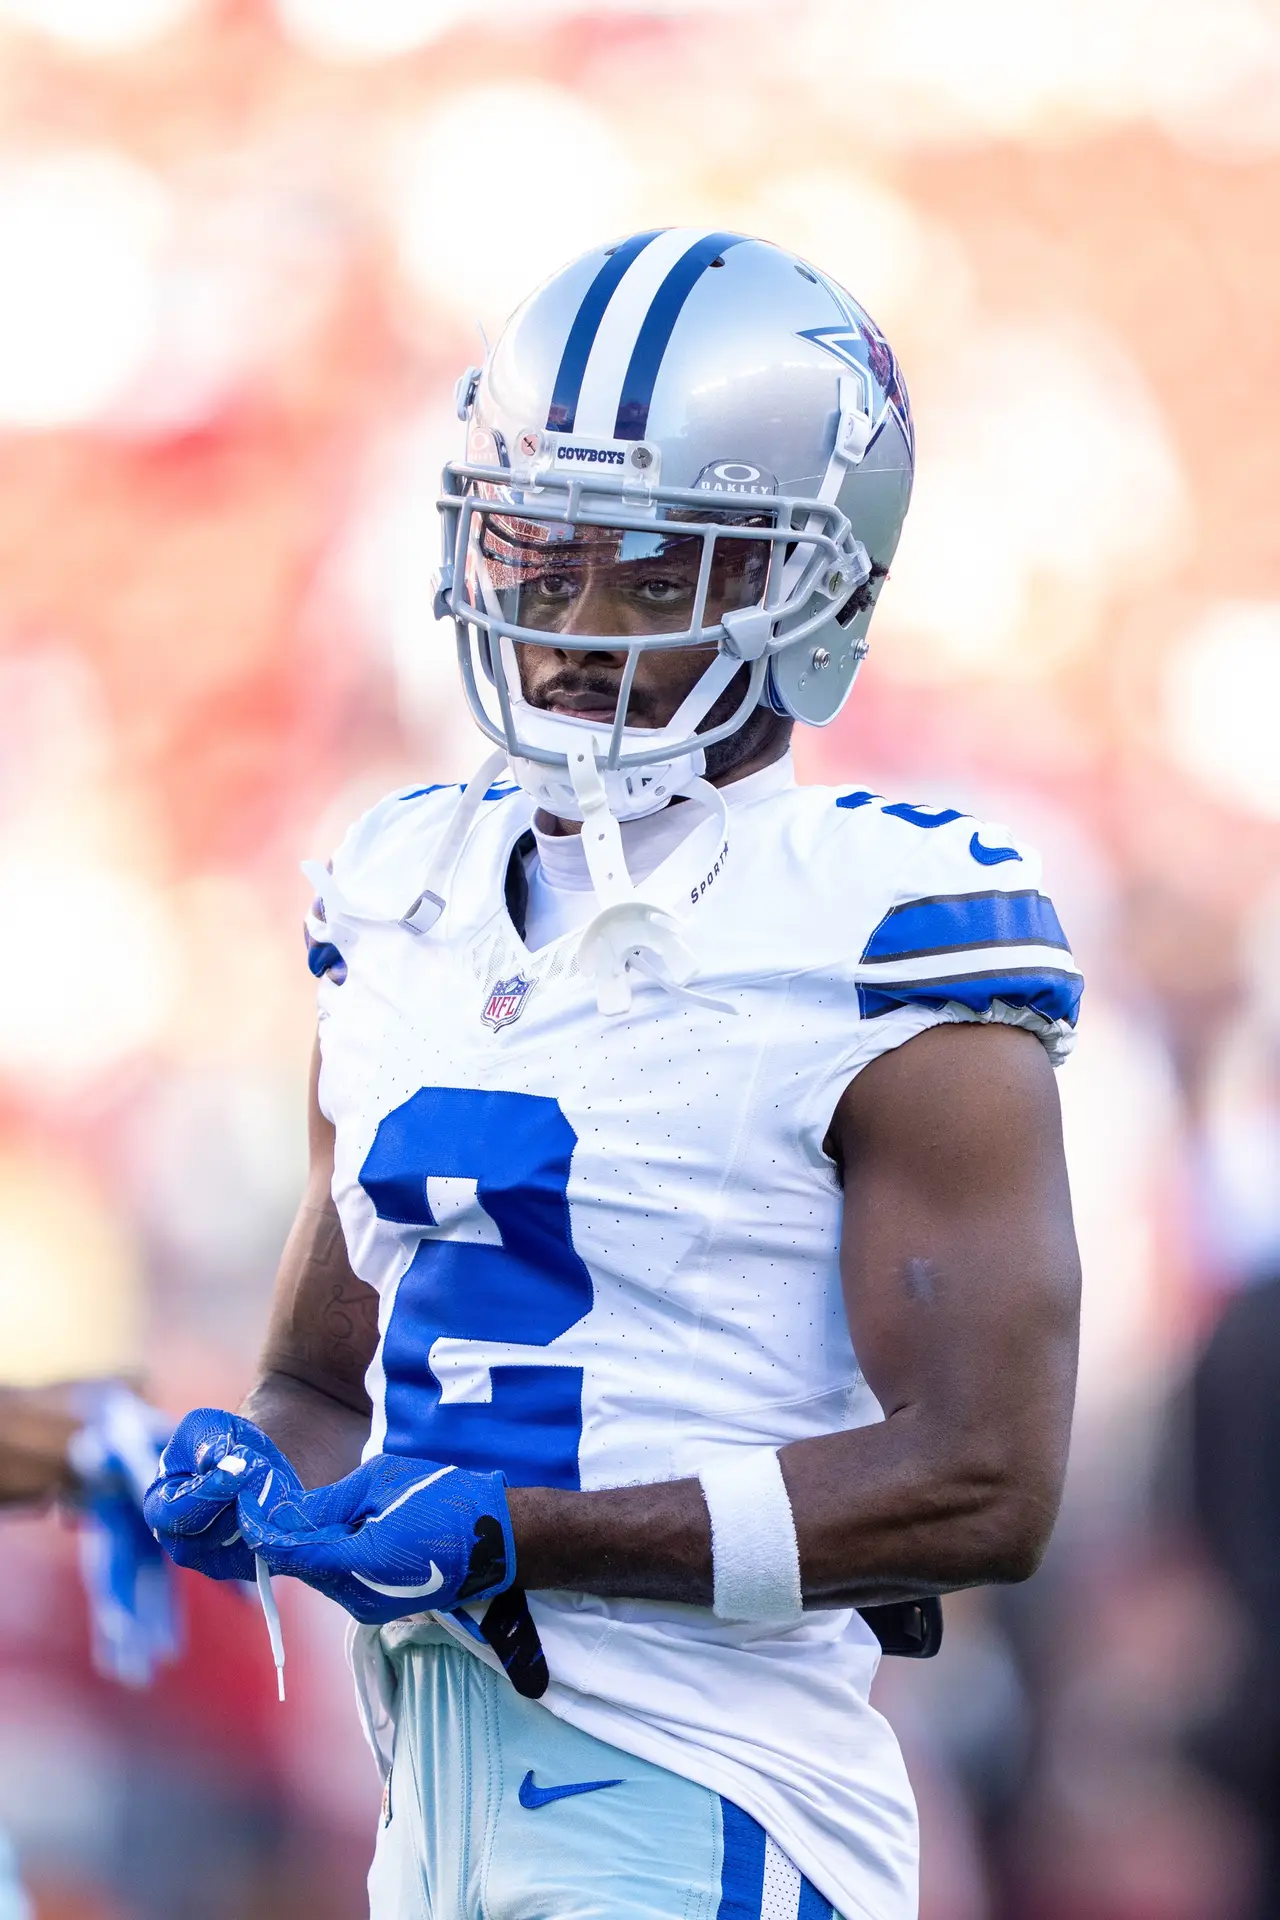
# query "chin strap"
(423, 912)
(601, 834)
(429, 905)
(630, 935)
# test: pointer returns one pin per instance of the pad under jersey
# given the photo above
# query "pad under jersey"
(606, 1247)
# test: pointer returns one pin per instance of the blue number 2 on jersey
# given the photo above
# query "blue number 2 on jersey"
(517, 1147)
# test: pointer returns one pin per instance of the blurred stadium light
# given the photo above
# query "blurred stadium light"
(79, 235)
(465, 155)
(99, 26)
(1222, 699)
(70, 1291)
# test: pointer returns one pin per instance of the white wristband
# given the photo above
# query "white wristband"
(755, 1558)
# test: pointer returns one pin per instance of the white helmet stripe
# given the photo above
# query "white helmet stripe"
(562, 413)
(620, 329)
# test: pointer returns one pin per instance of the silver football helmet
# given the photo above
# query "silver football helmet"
(704, 399)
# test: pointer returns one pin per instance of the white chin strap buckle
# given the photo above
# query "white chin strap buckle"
(635, 937)
(628, 935)
(601, 835)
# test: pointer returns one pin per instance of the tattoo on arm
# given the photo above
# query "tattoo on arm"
(325, 1329)
(345, 1328)
(310, 1394)
(350, 1322)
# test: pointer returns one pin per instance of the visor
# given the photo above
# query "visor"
(615, 583)
(591, 561)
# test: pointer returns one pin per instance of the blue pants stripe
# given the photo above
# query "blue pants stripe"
(812, 1905)
(742, 1874)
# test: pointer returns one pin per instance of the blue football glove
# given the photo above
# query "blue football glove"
(191, 1507)
(127, 1579)
(394, 1537)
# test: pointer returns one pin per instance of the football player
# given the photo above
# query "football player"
(687, 1244)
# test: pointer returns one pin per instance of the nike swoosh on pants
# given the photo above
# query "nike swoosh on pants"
(531, 1796)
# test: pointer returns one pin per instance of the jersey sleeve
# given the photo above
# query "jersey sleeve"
(969, 934)
(956, 928)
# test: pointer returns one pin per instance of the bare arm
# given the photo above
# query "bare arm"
(36, 1426)
(309, 1394)
(961, 1283)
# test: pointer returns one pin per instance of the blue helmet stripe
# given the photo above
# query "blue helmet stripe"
(586, 325)
(659, 324)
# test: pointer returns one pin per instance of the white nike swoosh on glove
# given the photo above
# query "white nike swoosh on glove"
(433, 1585)
(408, 1494)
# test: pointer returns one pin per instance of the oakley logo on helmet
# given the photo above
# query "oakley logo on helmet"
(735, 476)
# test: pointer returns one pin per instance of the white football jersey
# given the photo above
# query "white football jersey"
(606, 1247)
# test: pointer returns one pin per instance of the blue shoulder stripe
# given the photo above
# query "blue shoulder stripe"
(951, 923)
(586, 325)
(657, 329)
(1044, 990)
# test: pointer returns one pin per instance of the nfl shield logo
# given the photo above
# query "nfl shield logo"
(506, 1002)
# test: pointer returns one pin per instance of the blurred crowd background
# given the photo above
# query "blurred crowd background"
(245, 249)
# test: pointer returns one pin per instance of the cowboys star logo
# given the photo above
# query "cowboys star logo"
(857, 343)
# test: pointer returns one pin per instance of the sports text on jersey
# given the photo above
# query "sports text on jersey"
(696, 893)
